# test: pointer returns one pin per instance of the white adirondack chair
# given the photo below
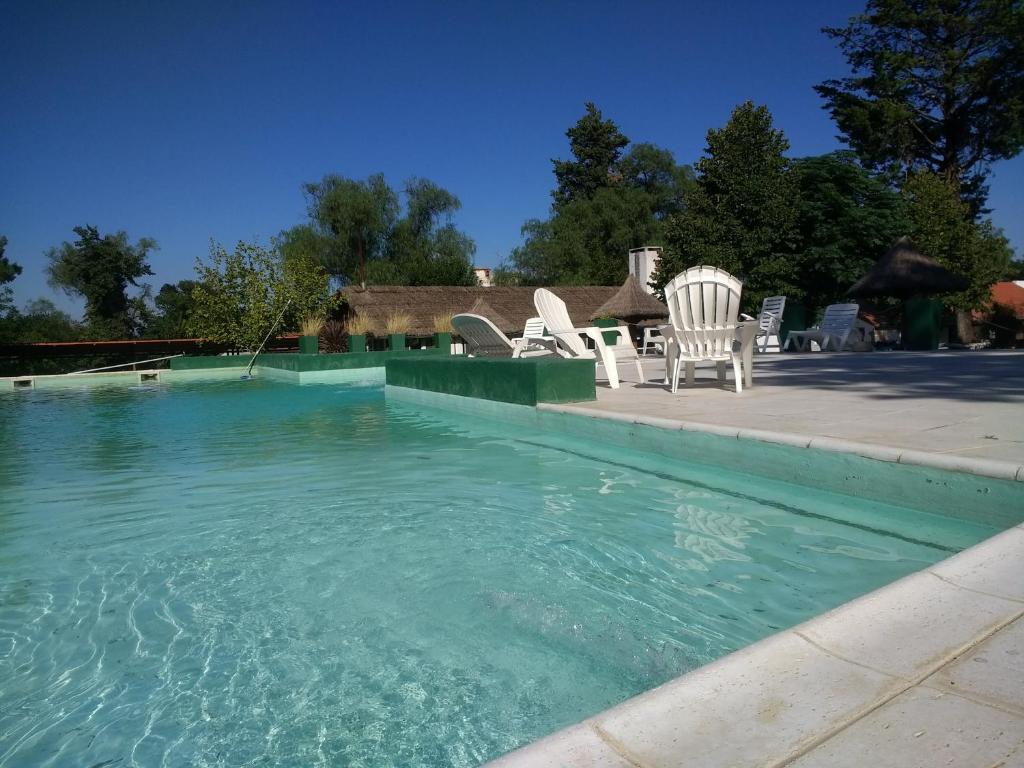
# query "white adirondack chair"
(703, 307)
(533, 336)
(484, 339)
(835, 329)
(769, 323)
(570, 342)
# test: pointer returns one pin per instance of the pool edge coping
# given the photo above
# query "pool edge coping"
(994, 468)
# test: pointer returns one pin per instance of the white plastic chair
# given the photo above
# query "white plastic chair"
(835, 329)
(570, 343)
(703, 306)
(484, 339)
(769, 323)
(653, 338)
(533, 336)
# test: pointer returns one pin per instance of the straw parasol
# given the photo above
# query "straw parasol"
(904, 272)
(481, 307)
(631, 303)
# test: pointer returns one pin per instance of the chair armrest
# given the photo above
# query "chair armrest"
(747, 317)
(746, 332)
(622, 332)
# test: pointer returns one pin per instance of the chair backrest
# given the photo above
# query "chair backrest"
(534, 328)
(839, 318)
(556, 318)
(772, 309)
(703, 304)
(482, 337)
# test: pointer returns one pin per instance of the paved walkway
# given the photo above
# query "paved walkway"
(960, 403)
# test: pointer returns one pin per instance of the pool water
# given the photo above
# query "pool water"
(240, 573)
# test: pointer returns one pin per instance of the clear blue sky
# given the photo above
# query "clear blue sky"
(186, 121)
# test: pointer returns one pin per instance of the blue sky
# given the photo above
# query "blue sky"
(188, 121)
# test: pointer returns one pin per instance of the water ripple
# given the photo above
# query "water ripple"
(244, 573)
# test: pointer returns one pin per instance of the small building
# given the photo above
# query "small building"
(483, 276)
(642, 263)
(1003, 324)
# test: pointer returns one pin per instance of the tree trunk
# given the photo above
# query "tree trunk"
(964, 327)
(362, 263)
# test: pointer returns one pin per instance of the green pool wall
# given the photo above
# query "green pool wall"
(987, 500)
(525, 381)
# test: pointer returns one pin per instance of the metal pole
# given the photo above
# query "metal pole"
(248, 371)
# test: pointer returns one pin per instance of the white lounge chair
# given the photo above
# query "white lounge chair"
(703, 306)
(533, 336)
(769, 323)
(570, 343)
(484, 339)
(834, 331)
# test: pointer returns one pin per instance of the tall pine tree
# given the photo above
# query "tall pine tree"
(742, 214)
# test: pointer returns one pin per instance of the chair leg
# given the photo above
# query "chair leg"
(737, 373)
(639, 370)
(609, 366)
(674, 378)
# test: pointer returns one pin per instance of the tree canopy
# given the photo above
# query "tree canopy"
(596, 145)
(174, 305)
(941, 227)
(356, 216)
(8, 269)
(742, 214)
(39, 320)
(847, 218)
(357, 231)
(100, 269)
(937, 85)
(240, 295)
(605, 202)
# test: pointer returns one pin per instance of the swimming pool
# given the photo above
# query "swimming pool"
(221, 573)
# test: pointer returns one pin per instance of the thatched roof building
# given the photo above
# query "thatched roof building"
(904, 272)
(481, 307)
(631, 303)
(512, 305)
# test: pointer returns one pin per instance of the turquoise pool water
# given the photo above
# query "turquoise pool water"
(249, 573)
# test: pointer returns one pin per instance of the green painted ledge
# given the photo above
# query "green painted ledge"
(526, 381)
(299, 363)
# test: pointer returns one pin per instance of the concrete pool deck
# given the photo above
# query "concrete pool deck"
(927, 671)
(957, 405)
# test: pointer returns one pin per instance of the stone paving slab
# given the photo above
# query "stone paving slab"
(992, 673)
(922, 728)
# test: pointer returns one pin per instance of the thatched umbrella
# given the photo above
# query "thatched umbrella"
(632, 304)
(481, 307)
(905, 272)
